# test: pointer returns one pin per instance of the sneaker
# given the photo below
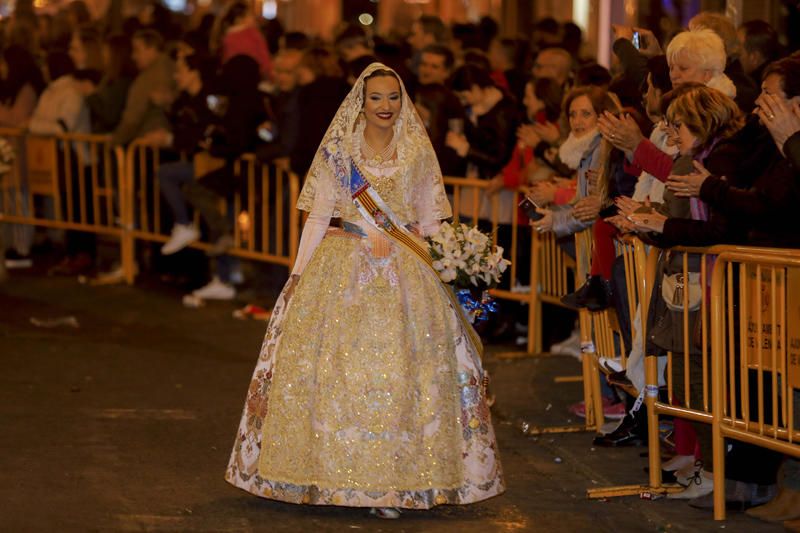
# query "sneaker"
(16, 260)
(182, 236)
(569, 346)
(609, 365)
(215, 290)
(699, 486)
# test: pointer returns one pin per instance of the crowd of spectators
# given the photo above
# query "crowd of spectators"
(688, 139)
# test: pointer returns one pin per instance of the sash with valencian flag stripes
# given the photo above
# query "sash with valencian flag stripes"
(376, 212)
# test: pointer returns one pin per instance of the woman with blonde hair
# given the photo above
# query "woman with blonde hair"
(699, 56)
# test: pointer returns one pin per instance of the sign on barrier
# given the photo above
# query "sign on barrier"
(793, 326)
(761, 331)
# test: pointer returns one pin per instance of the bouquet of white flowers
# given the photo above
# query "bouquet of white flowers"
(465, 258)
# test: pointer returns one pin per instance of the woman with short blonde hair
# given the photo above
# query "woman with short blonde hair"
(699, 56)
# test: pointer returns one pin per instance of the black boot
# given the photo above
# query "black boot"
(573, 299)
(594, 295)
(598, 297)
(624, 435)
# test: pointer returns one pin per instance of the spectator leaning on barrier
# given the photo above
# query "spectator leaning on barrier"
(106, 100)
(234, 134)
(779, 109)
(189, 118)
(21, 83)
(769, 206)
(280, 134)
(61, 108)
(144, 110)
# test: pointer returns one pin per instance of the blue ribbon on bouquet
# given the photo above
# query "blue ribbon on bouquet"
(476, 309)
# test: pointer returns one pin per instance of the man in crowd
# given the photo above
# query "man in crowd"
(553, 63)
(436, 64)
(425, 31)
(283, 128)
(746, 89)
(147, 96)
(760, 47)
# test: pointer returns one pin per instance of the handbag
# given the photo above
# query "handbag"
(674, 288)
(665, 324)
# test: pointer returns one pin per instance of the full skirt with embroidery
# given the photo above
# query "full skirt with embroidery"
(366, 392)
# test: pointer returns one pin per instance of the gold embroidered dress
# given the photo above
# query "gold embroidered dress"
(367, 391)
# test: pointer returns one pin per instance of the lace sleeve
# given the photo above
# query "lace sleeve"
(314, 229)
(430, 201)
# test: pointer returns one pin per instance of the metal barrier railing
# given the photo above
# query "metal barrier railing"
(548, 269)
(755, 337)
(706, 363)
(68, 182)
(266, 225)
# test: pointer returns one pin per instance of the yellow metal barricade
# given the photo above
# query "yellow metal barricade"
(691, 380)
(69, 181)
(549, 269)
(266, 225)
(755, 324)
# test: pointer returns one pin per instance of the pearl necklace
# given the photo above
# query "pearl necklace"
(371, 154)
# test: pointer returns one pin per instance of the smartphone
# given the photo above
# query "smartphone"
(529, 206)
(637, 40)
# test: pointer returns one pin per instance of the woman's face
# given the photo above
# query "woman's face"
(685, 140)
(471, 97)
(683, 70)
(77, 52)
(382, 102)
(532, 104)
(773, 86)
(582, 116)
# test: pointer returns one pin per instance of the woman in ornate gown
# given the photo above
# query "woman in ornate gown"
(368, 391)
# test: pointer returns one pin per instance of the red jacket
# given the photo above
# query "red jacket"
(248, 41)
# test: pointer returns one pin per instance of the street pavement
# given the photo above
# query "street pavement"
(123, 420)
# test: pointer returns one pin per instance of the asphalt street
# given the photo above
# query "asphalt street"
(123, 420)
